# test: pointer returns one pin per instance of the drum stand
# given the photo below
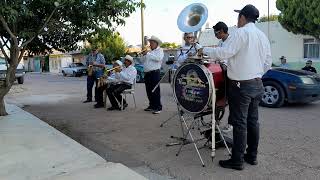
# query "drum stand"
(182, 141)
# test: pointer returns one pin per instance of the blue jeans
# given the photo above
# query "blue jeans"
(244, 98)
(90, 82)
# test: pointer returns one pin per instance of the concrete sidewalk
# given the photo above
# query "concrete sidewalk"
(33, 150)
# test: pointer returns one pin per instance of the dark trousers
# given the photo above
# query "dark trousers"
(114, 93)
(90, 82)
(151, 79)
(244, 98)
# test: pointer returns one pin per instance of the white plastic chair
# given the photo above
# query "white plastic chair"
(129, 91)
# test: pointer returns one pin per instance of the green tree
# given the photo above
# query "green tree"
(169, 45)
(300, 16)
(272, 17)
(110, 44)
(38, 26)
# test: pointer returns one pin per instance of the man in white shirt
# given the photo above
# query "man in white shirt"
(152, 61)
(189, 49)
(221, 32)
(249, 57)
(124, 78)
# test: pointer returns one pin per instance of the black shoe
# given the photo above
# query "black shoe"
(231, 165)
(98, 106)
(249, 160)
(113, 108)
(148, 109)
(156, 112)
(88, 100)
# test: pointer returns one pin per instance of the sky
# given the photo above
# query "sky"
(160, 17)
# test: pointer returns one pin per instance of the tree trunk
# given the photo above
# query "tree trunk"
(6, 84)
(3, 111)
(3, 91)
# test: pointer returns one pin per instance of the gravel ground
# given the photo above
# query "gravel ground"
(289, 146)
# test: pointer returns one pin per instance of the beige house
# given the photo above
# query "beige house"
(297, 48)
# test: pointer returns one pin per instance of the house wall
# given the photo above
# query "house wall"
(57, 61)
(283, 43)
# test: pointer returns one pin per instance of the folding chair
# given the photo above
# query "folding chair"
(129, 91)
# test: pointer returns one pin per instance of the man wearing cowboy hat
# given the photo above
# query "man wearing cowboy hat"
(123, 79)
(152, 64)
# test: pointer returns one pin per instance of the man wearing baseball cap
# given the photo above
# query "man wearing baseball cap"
(249, 57)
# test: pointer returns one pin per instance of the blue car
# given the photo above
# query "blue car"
(291, 86)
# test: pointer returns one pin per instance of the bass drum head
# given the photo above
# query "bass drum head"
(192, 88)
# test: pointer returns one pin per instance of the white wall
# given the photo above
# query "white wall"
(283, 43)
(56, 62)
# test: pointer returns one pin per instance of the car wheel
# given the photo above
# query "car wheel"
(21, 80)
(64, 74)
(139, 78)
(273, 95)
(74, 74)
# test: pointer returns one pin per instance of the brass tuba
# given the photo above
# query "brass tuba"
(192, 18)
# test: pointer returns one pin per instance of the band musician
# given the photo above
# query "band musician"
(122, 79)
(189, 49)
(96, 60)
(249, 57)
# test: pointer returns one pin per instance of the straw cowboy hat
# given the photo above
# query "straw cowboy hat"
(154, 38)
(119, 62)
(128, 57)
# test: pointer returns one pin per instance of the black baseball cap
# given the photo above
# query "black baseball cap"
(249, 11)
(220, 25)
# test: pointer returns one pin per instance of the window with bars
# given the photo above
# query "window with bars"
(311, 49)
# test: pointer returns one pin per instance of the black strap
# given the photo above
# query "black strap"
(187, 51)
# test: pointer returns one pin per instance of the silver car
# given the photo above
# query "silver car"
(74, 69)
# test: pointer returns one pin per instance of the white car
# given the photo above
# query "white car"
(74, 69)
(19, 71)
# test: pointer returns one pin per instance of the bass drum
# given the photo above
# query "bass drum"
(192, 87)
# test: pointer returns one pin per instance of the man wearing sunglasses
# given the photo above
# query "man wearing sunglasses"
(309, 67)
(221, 32)
(189, 49)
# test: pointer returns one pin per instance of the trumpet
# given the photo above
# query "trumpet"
(103, 79)
(109, 70)
(144, 50)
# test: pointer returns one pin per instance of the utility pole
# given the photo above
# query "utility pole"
(269, 20)
(142, 26)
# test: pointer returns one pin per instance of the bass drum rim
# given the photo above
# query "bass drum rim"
(207, 73)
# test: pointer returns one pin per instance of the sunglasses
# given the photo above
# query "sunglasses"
(189, 37)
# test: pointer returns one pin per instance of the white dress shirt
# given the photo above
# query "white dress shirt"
(248, 53)
(183, 52)
(153, 60)
(224, 43)
(127, 75)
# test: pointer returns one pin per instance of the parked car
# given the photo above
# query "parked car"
(74, 69)
(291, 86)
(20, 72)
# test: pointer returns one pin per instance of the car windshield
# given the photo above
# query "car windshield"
(2, 61)
(78, 64)
(137, 60)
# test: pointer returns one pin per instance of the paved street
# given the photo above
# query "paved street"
(289, 146)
